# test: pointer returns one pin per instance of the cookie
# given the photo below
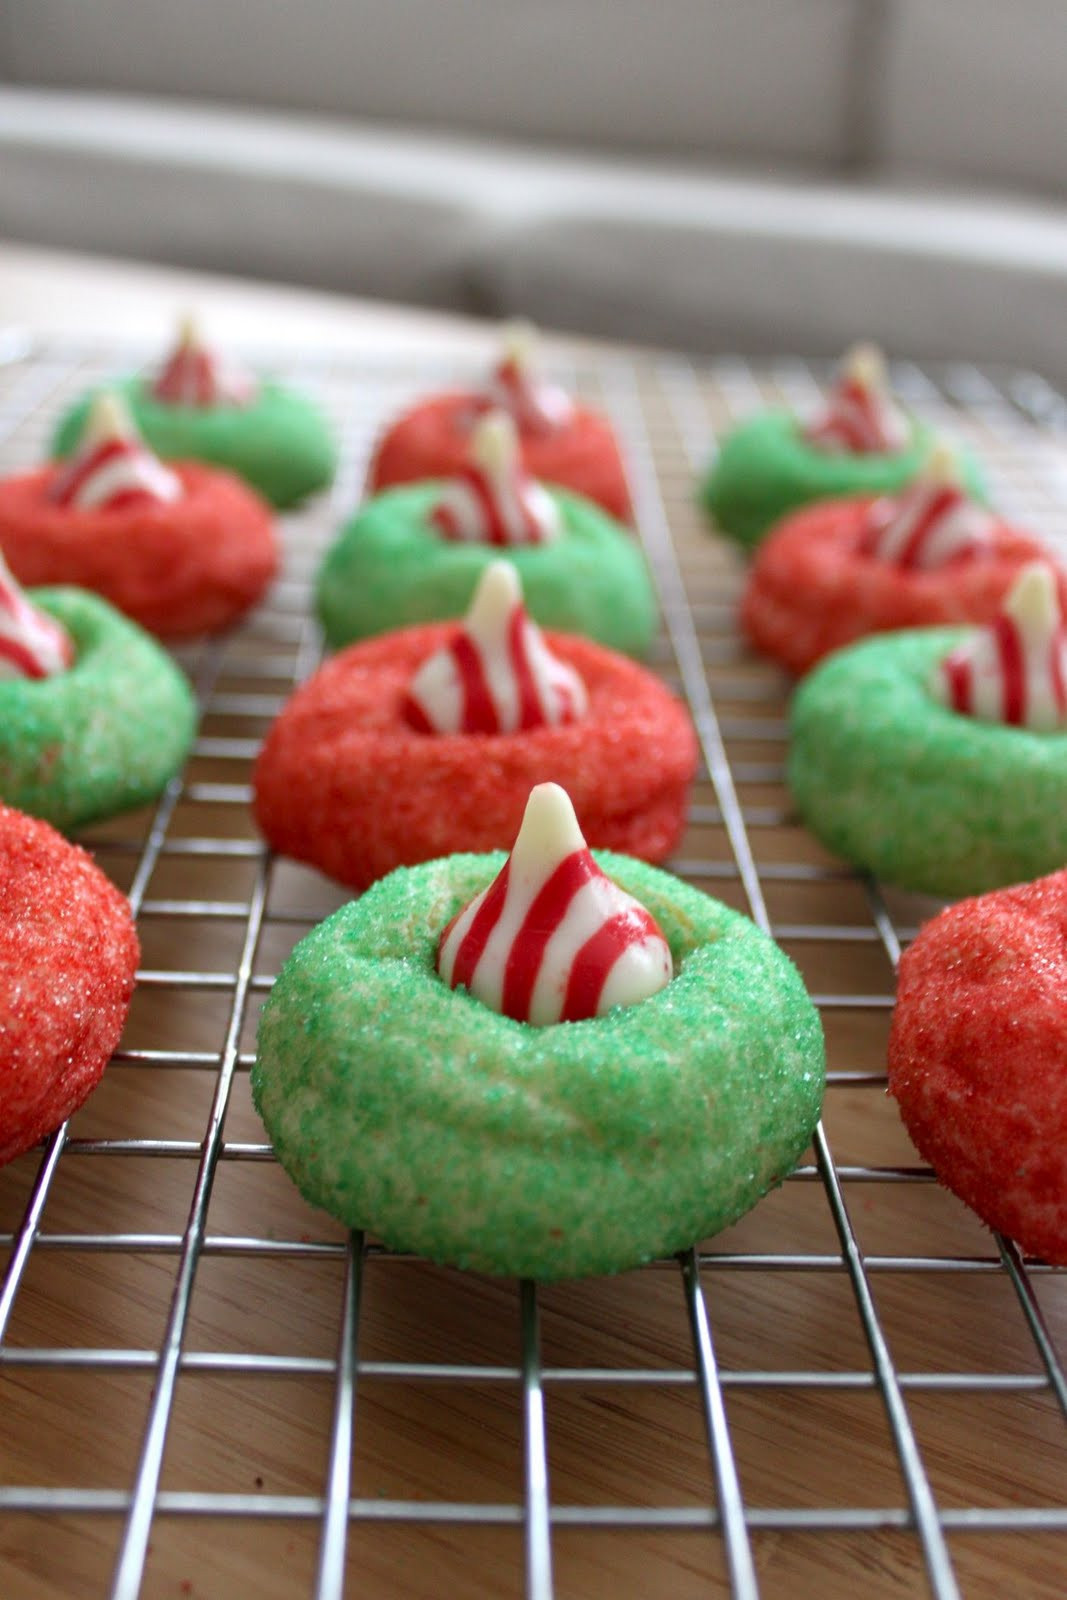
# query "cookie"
(102, 735)
(834, 572)
(271, 437)
(68, 955)
(976, 1058)
(415, 1110)
(355, 779)
(390, 567)
(565, 444)
(182, 551)
(862, 446)
(910, 753)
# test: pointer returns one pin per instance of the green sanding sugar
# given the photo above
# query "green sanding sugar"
(389, 567)
(279, 444)
(103, 736)
(921, 795)
(765, 468)
(412, 1110)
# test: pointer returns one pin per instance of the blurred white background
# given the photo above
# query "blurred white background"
(712, 174)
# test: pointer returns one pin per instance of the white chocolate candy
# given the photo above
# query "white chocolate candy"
(194, 375)
(494, 500)
(861, 416)
(496, 675)
(112, 466)
(517, 386)
(1015, 670)
(553, 939)
(933, 522)
(32, 644)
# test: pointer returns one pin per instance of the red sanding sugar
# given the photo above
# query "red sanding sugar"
(978, 1057)
(344, 782)
(811, 590)
(178, 568)
(68, 954)
(432, 440)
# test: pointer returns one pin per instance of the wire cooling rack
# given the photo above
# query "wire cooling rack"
(209, 1390)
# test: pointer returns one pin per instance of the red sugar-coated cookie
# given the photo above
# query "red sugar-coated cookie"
(191, 566)
(978, 1057)
(432, 441)
(343, 781)
(68, 954)
(810, 590)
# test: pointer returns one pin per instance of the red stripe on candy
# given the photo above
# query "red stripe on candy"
(597, 956)
(69, 483)
(943, 502)
(130, 497)
(531, 712)
(510, 379)
(960, 677)
(445, 521)
(189, 379)
(545, 915)
(1012, 669)
(495, 531)
(477, 935)
(478, 713)
(863, 415)
(1059, 686)
(415, 716)
(203, 378)
(853, 417)
(20, 657)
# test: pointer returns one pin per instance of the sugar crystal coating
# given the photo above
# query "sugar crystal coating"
(551, 1152)
(977, 1057)
(68, 954)
(103, 736)
(924, 797)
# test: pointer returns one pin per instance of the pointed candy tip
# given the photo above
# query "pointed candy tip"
(865, 364)
(941, 465)
(189, 331)
(519, 343)
(495, 442)
(109, 418)
(498, 591)
(549, 829)
(1034, 600)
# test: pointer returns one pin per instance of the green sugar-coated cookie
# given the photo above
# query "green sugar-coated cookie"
(921, 795)
(103, 736)
(766, 468)
(389, 567)
(280, 444)
(412, 1110)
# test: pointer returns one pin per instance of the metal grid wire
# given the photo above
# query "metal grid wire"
(217, 915)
